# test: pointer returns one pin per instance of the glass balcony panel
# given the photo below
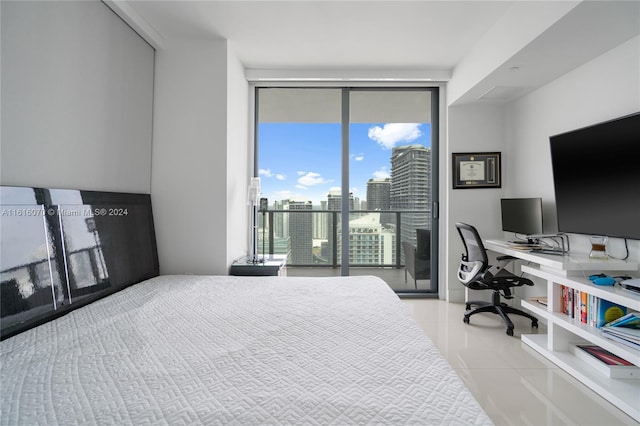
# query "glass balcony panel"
(373, 243)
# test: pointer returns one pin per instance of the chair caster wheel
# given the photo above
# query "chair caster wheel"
(534, 324)
(509, 331)
(465, 320)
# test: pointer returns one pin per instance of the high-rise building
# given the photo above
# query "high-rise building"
(334, 203)
(334, 199)
(369, 242)
(300, 229)
(379, 194)
(411, 188)
(320, 223)
(281, 220)
(379, 198)
(357, 204)
(280, 226)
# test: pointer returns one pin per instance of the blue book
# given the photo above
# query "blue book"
(630, 320)
(608, 311)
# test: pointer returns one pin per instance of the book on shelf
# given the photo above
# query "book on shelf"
(607, 312)
(565, 299)
(589, 309)
(606, 362)
(625, 329)
(630, 320)
(618, 337)
(584, 302)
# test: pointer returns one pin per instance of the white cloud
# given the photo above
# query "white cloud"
(392, 133)
(268, 174)
(311, 179)
(381, 173)
(283, 195)
(358, 157)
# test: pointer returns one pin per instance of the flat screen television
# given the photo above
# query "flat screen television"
(596, 177)
(522, 215)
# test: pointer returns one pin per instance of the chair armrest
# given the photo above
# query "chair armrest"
(502, 261)
(468, 271)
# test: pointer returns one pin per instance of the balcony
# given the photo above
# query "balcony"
(311, 240)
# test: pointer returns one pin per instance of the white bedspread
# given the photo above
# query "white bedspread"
(182, 350)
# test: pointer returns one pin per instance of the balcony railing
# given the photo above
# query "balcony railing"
(313, 238)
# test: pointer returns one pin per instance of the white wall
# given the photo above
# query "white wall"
(606, 87)
(189, 156)
(239, 160)
(471, 128)
(77, 91)
(199, 156)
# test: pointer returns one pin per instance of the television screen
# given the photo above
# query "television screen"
(522, 215)
(596, 176)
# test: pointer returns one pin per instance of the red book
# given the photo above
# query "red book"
(604, 355)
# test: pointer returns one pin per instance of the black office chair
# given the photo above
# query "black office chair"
(475, 273)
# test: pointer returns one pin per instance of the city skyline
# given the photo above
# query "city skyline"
(312, 238)
(302, 161)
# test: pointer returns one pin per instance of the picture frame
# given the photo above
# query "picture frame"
(476, 170)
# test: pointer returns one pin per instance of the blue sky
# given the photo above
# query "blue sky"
(302, 161)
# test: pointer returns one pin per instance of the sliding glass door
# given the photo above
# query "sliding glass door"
(298, 159)
(349, 177)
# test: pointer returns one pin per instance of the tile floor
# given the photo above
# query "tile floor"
(514, 384)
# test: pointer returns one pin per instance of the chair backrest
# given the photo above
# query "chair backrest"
(423, 244)
(472, 243)
(475, 260)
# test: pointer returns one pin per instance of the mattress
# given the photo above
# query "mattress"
(223, 350)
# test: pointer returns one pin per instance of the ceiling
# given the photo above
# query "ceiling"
(332, 34)
(397, 35)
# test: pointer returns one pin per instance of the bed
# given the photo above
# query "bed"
(233, 350)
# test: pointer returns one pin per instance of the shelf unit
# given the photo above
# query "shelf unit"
(564, 331)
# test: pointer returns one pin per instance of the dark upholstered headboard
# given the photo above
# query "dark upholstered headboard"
(61, 249)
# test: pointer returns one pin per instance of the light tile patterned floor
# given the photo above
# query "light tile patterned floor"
(514, 384)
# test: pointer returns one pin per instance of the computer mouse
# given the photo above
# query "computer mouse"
(604, 281)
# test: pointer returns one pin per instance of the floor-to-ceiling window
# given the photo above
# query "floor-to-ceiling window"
(349, 175)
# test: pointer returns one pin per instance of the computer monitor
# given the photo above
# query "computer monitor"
(522, 215)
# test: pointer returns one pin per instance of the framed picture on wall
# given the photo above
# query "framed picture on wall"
(476, 170)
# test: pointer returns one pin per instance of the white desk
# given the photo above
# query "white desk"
(567, 264)
(564, 331)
